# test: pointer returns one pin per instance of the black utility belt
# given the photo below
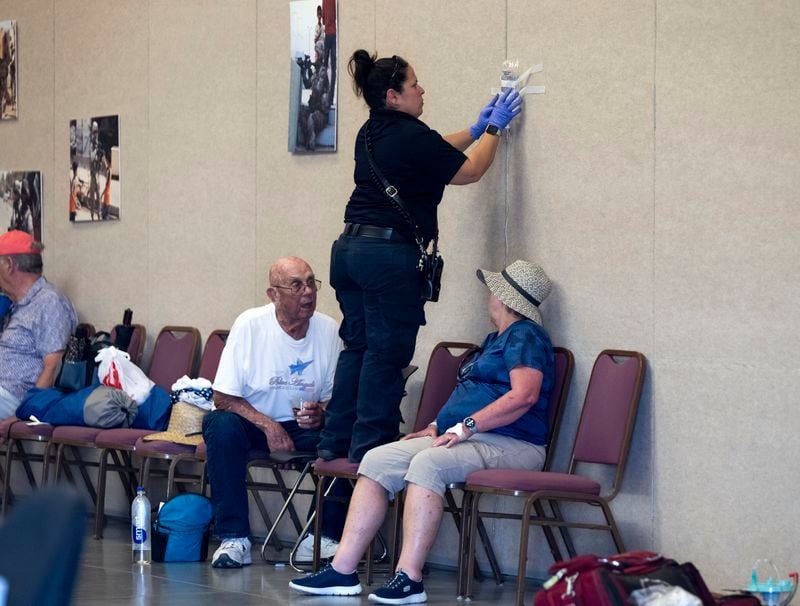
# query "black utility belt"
(373, 231)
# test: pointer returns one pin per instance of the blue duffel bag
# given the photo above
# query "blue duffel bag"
(181, 529)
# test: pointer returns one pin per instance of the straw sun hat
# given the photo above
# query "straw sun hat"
(184, 419)
(522, 286)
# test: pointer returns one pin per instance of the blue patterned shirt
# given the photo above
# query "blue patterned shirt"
(486, 377)
(39, 324)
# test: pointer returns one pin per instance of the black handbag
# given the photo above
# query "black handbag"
(431, 264)
(78, 368)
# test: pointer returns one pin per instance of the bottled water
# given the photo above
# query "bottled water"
(140, 527)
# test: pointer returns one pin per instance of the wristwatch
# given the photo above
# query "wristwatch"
(470, 424)
(493, 130)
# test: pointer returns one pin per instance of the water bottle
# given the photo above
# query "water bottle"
(140, 527)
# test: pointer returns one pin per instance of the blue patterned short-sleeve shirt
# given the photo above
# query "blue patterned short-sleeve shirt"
(487, 377)
(39, 324)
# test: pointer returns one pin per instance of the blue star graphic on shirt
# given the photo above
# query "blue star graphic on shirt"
(298, 367)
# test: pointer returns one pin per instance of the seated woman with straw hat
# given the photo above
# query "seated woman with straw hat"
(495, 417)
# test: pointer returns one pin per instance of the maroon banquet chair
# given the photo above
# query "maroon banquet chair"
(440, 380)
(154, 450)
(603, 439)
(18, 433)
(136, 345)
(564, 366)
(71, 438)
(174, 355)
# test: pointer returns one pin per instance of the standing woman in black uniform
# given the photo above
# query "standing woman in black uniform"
(374, 262)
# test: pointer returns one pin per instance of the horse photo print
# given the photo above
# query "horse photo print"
(312, 81)
(21, 197)
(94, 183)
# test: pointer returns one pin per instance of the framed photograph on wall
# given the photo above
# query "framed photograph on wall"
(8, 70)
(312, 81)
(21, 202)
(94, 175)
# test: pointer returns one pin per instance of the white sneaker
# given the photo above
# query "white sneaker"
(233, 553)
(305, 550)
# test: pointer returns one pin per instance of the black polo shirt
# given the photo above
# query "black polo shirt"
(413, 158)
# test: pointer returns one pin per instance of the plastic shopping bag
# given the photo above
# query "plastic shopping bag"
(117, 370)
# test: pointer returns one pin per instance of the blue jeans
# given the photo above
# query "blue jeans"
(378, 288)
(230, 439)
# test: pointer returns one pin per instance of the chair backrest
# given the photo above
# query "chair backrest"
(440, 380)
(136, 346)
(174, 355)
(565, 364)
(87, 328)
(211, 354)
(609, 411)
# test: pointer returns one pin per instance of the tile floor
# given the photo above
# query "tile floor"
(107, 578)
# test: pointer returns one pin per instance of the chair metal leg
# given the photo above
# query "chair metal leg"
(548, 533)
(261, 507)
(59, 462)
(7, 476)
(612, 527)
(397, 517)
(523, 552)
(472, 516)
(78, 460)
(565, 536)
(204, 479)
(46, 458)
(99, 510)
(285, 493)
(287, 505)
(144, 473)
(463, 532)
(303, 532)
(123, 462)
(321, 492)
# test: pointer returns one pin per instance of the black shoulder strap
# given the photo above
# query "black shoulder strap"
(392, 193)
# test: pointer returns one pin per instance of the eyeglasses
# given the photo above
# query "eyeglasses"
(298, 287)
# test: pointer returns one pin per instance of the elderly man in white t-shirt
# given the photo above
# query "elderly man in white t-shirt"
(276, 357)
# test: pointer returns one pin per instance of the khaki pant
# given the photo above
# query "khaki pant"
(416, 462)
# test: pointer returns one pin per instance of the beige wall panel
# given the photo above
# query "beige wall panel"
(581, 158)
(101, 69)
(728, 227)
(726, 471)
(726, 292)
(202, 162)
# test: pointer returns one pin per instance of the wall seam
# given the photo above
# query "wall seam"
(148, 130)
(653, 485)
(256, 206)
(55, 130)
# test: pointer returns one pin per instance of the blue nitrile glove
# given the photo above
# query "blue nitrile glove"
(476, 130)
(506, 109)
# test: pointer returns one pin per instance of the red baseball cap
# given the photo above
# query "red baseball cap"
(17, 242)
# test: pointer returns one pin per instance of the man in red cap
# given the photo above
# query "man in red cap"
(36, 329)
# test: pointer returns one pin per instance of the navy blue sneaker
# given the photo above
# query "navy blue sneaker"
(328, 582)
(400, 589)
